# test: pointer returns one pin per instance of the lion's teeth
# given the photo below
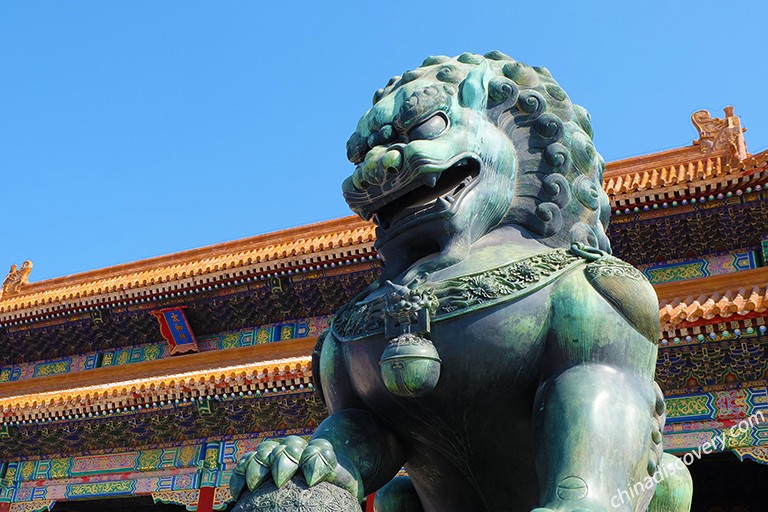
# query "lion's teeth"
(450, 198)
(441, 204)
(429, 179)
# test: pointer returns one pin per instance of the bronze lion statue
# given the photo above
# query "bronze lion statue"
(504, 358)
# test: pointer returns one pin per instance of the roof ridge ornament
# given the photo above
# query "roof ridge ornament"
(717, 134)
(16, 279)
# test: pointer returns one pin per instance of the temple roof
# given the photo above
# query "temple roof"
(717, 161)
(305, 246)
(682, 172)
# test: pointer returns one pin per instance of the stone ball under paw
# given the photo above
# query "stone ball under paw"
(297, 496)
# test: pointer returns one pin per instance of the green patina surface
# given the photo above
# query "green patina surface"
(486, 190)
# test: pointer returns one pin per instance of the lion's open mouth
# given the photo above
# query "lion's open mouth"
(437, 193)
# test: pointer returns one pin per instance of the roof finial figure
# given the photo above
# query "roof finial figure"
(717, 134)
(16, 279)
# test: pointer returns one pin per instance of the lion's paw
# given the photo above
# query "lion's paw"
(289, 460)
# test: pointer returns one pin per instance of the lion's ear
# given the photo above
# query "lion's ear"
(473, 91)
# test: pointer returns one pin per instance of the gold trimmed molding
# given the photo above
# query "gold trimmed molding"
(104, 390)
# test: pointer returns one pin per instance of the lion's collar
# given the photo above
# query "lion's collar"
(452, 297)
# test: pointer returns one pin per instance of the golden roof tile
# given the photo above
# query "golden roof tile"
(302, 246)
(715, 297)
(717, 160)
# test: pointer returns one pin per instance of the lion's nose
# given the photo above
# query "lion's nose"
(392, 161)
(379, 162)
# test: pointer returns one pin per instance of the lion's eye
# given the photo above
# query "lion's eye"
(356, 148)
(429, 129)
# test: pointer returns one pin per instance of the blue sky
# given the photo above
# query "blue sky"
(134, 129)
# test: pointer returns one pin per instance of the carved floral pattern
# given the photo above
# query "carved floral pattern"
(609, 266)
(410, 340)
(454, 297)
(502, 284)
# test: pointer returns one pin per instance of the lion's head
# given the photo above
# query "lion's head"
(461, 146)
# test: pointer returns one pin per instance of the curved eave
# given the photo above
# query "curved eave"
(714, 298)
(304, 246)
(679, 173)
(214, 373)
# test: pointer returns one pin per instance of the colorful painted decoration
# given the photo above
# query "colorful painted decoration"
(176, 330)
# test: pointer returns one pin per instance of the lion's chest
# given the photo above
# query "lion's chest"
(488, 358)
(486, 331)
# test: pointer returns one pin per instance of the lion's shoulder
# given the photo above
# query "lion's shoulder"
(628, 291)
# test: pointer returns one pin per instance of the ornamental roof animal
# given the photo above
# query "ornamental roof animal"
(16, 279)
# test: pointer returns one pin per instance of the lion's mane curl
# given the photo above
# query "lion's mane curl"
(559, 195)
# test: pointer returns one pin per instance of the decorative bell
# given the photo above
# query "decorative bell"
(410, 366)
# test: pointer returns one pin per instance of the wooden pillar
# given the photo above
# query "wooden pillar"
(205, 499)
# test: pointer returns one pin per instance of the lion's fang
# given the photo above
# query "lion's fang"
(441, 204)
(429, 179)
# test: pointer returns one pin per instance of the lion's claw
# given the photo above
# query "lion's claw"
(257, 465)
(318, 462)
(256, 473)
(236, 483)
(285, 457)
